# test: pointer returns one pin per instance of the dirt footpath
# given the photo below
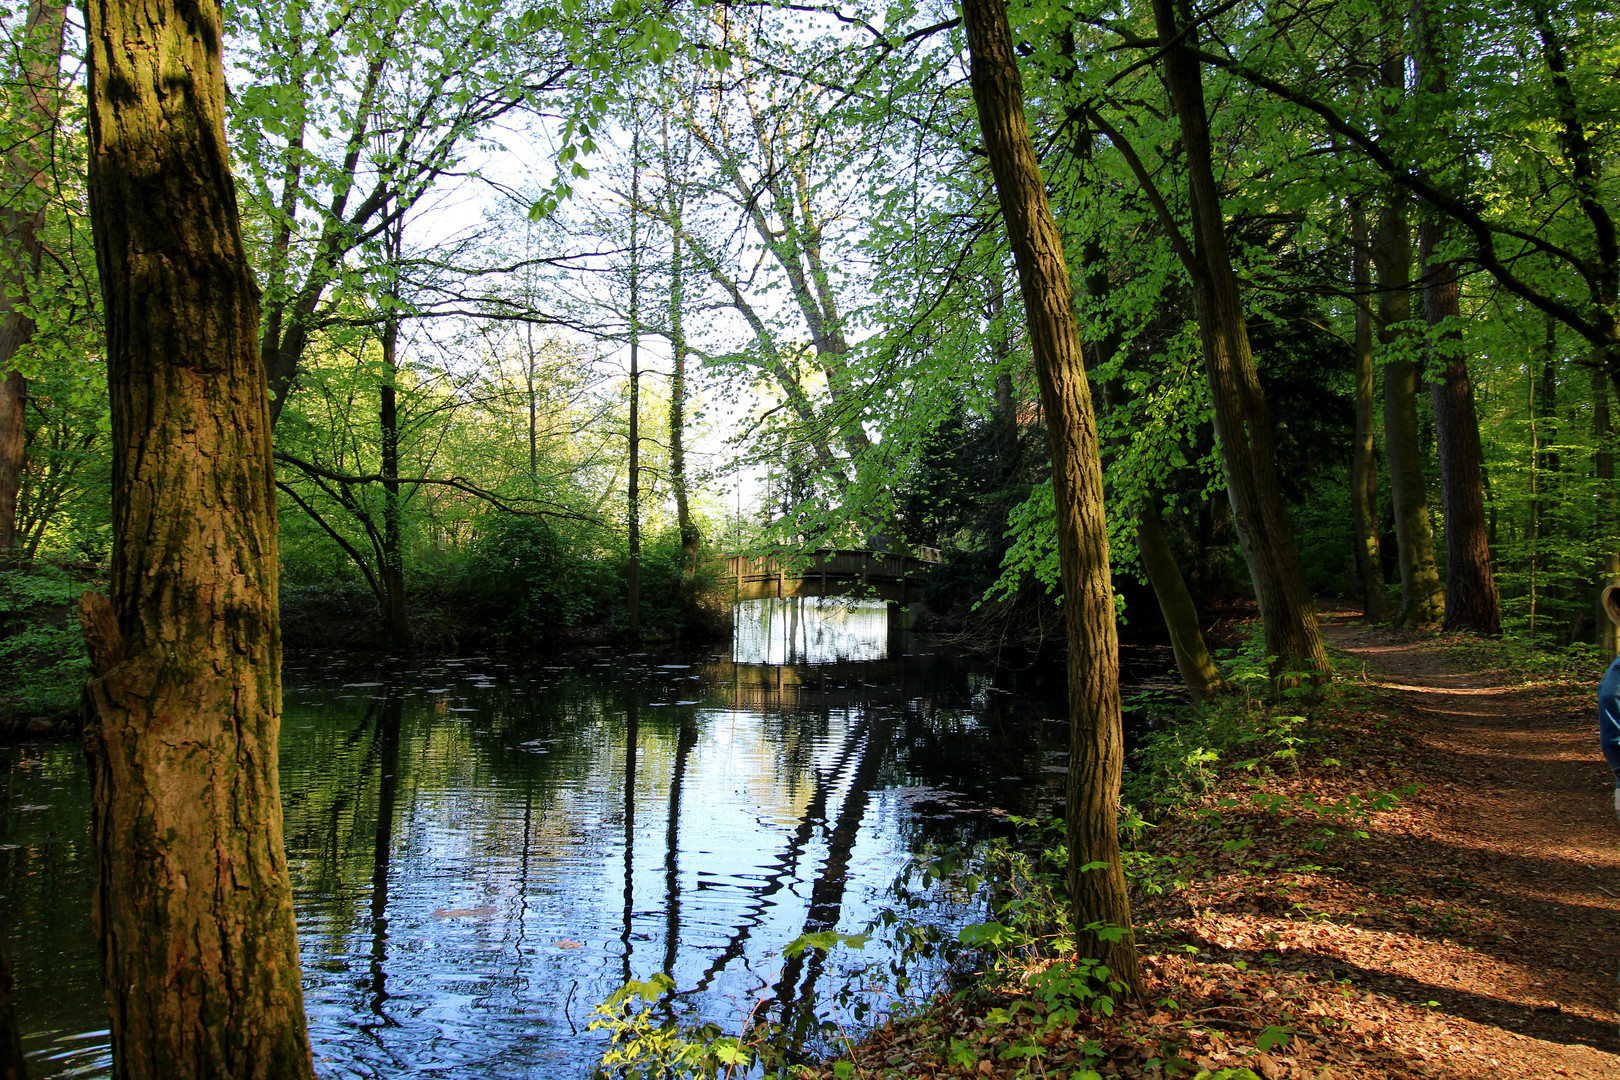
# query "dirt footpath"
(1434, 894)
(1508, 861)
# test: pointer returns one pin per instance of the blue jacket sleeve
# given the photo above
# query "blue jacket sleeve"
(1609, 718)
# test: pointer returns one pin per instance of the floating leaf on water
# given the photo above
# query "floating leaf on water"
(567, 944)
(480, 912)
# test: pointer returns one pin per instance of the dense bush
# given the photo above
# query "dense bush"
(42, 657)
(534, 581)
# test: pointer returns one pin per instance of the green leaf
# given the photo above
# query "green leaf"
(989, 933)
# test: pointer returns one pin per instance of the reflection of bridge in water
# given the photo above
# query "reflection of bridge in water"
(815, 688)
(897, 579)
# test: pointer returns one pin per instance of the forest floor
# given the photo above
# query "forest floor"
(1309, 928)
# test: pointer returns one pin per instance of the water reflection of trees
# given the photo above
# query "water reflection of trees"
(560, 785)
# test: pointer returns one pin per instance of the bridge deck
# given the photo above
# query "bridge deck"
(844, 572)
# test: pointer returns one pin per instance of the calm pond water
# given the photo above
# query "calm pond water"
(484, 848)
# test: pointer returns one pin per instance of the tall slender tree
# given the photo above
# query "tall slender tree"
(1471, 598)
(192, 906)
(1422, 595)
(391, 561)
(1363, 465)
(1242, 417)
(28, 183)
(675, 179)
(1096, 878)
(633, 486)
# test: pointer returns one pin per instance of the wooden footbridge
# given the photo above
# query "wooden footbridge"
(862, 574)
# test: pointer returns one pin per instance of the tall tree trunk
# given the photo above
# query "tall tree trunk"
(1363, 465)
(1471, 599)
(392, 563)
(28, 187)
(1422, 597)
(1096, 876)
(633, 498)
(1608, 635)
(192, 907)
(677, 353)
(1242, 419)
(1546, 464)
(1198, 671)
(1535, 561)
(531, 388)
(677, 410)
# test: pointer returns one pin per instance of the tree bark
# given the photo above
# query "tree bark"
(1198, 671)
(391, 566)
(1363, 465)
(192, 907)
(28, 186)
(1422, 597)
(1471, 599)
(1242, 419)
(677, 354)
(1608, 635)
(633, 497)
(1096, 878)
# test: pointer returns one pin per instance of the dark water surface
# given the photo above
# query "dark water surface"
(482, 849)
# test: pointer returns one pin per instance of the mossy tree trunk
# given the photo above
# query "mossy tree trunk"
(1096, 876)
(192, 906)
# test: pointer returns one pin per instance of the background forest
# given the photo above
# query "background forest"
(560, 302)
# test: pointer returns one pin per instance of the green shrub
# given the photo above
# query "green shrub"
(42, 656)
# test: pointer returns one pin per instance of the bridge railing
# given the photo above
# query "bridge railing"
(832, 563)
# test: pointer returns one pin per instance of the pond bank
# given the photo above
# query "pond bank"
(1308, 928)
